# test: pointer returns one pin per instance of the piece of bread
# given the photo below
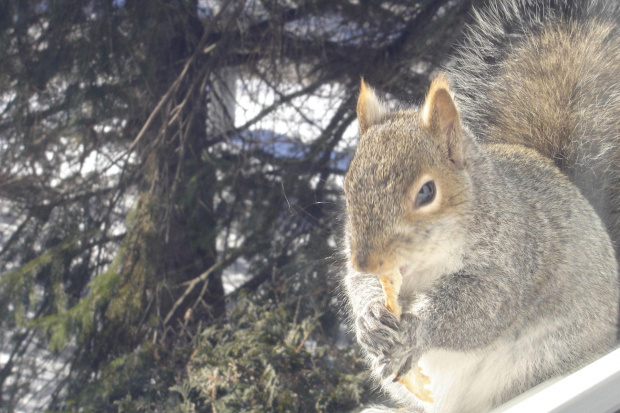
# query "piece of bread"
(415, 381)
(391, 287)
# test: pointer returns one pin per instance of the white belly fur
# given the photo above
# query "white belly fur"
(466, 382)
(474, 381)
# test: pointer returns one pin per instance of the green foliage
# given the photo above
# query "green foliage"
(80, 319)
(132, 382)
(265, 359)
(114, 295)
(20, 282)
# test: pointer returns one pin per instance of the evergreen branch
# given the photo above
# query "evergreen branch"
(191, 284)
(172, 90)
(268, 110)
(199, 50)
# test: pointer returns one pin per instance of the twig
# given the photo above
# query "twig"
(201, 278)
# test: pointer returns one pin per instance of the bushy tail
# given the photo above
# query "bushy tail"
(546, 74)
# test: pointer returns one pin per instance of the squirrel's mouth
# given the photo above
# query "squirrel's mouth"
(403, 269)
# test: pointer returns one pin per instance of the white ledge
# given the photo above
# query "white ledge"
(593, 389)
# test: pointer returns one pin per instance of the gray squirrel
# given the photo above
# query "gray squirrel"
(494, 200)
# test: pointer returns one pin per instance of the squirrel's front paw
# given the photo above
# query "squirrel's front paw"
(404, 356)
(377, 330)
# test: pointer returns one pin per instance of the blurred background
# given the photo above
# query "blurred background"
(170, 196)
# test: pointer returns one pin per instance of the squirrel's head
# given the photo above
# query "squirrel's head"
(408, 183)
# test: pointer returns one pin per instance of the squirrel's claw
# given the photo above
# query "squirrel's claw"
(404, 369)
(392, 364)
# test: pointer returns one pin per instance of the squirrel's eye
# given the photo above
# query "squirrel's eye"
(426, 194)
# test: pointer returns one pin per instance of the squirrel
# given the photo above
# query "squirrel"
(497, 201)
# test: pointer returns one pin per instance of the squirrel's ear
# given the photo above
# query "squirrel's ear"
(370, 110)
(441, 116)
